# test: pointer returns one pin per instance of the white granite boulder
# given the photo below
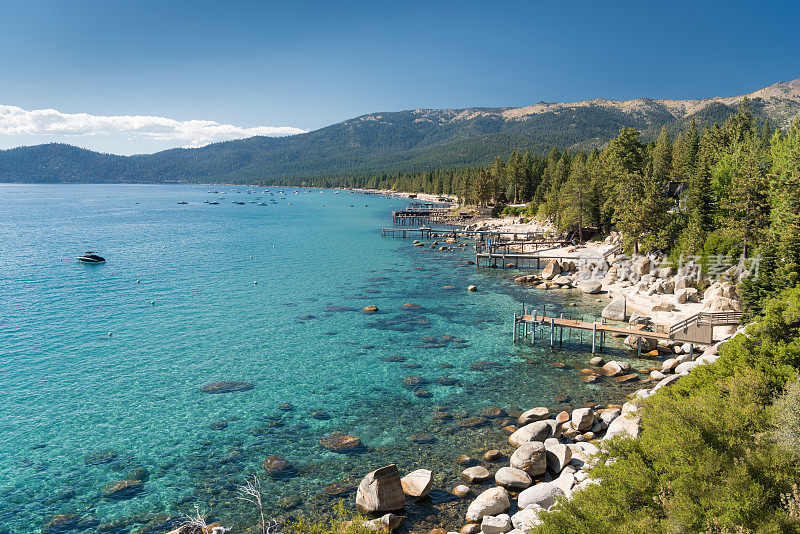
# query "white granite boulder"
(530, 457)
(491, 502)
(533, 415)
(627, 426)
(496, 524)
(558, 456)
(616, 309)
(512, 478)
(526, 519)
(536, 431)
(544, 495)
(417, 483)
(381, 491)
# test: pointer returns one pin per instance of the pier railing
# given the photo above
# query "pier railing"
(725, 318)
(697, 328)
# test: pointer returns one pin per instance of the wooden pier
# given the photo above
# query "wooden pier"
(695, 329)
(520, 254)
(480, 235)
(530, 254)
(412, 216)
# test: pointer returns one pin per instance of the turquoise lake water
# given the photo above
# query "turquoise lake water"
(102, 365)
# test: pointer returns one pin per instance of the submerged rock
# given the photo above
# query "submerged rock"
(340, 442)
(218, 425)
(476, 474)
(100, 457)
(338, 489)
(277, 467)
(123, 489)
(461, 491)
(227, 386)
(472, 422)
(62, 523)
(414, 381)
(322, 415)
(422, 438)
(483, 365)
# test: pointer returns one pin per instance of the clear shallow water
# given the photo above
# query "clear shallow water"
(102, 365)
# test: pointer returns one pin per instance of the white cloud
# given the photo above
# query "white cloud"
(16, 121)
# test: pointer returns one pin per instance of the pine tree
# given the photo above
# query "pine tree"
(622, 158)
(784, 197)
(662, 156)
(548, 177)
(745, 203)
(642, 209)
(678, 173)
(498, 178)
(484, 185)
(516, 175)
(686, 158)
(576, 200)
(701, 207)
(529, 186)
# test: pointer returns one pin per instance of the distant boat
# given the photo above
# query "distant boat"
(91, 257)
(182, 202)
(238, 202)
(262, 203)
(214, 202)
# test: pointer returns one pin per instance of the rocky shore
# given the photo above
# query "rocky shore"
(550, 458)
(551, 455)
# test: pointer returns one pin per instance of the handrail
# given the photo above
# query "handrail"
(708, 319)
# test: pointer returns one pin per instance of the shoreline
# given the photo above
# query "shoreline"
(562, 447)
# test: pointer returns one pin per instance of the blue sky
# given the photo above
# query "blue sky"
(252, 66)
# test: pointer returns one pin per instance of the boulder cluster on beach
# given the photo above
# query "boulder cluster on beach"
(550, 460)
(666, 286)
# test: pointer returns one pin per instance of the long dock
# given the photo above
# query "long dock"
(481, 235)
(424, 214)
(697, 329)
(512, 254)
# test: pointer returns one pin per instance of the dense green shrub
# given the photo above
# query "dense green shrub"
(787, 419)
(708, 458)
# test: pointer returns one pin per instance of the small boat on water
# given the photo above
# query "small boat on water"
(214, 202)
(91, 257)
(182, 202)
(238, 202)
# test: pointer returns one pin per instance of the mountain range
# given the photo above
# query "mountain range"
(400, 141)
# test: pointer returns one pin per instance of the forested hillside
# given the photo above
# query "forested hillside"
(405, 141)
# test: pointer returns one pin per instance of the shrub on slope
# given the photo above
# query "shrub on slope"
(714, 454)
